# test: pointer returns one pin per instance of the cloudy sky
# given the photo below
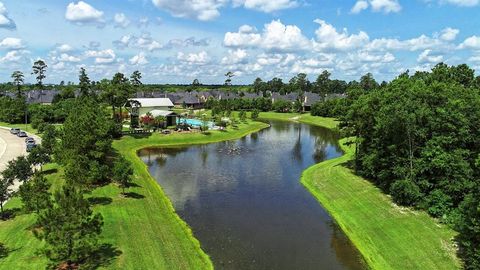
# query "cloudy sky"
(176, 41)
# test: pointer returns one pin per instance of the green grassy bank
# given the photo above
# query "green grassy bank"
(143, 231)
(388, 236)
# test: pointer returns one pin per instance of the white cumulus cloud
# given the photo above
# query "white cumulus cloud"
(359, 6)
(10, 43)
(472, 42)
(449, 34)
(327, 37)
(139, 59)
(121, 20)
(275, 36)
(5, 20)
(385, 6)
(427, 56)
(101, 57)
(83, 13)
(204, 10)
(194, 58)
(266, 5)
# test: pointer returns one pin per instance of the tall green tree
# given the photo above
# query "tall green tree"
(39, 70)
(136, 79)
(6, 192)
(18, 80)
(35, 194)
(49, 139)
(229, 75)
(69, 229)
(18, 169)
(38, 156)
(322, 84)
(124, 90)
(367, 82)
(469, 228)
(85, 143)
(122, 173)
(84, 83)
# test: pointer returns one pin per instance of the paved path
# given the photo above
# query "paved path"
(11, 147)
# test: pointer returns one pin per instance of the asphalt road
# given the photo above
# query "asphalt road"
(11, 147)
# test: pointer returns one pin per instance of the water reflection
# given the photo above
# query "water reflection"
(245, 204)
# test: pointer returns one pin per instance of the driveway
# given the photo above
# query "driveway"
(11, 147)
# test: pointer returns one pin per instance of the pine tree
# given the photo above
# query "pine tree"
(70, 229)
(35, 195)
(122, 173)
(5, 192)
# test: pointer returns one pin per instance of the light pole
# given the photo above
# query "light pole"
(26, 120)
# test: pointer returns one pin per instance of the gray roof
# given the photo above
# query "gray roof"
(189, 99)
(311, 98)
(292, 97)
(37, 96)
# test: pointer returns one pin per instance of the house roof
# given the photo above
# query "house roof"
(154, 102)
(311, 98)
(156, 113)
(189, 99)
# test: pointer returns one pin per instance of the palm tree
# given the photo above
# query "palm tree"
(160, 121)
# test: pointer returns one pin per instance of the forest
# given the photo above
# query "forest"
(418, 139)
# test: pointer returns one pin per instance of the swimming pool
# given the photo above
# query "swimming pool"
(195, 122)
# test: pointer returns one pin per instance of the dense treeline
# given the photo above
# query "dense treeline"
(323, 85)
(418, 138)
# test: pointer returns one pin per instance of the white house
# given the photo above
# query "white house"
(151, 104)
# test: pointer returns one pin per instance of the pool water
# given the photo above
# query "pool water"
(194, 122)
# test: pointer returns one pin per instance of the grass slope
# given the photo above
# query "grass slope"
(143, 229)
(388, 236)
(330, 123)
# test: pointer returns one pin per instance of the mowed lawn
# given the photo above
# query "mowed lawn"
(330, 123)
(141, 231)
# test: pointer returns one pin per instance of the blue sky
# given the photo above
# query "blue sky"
(176, 41)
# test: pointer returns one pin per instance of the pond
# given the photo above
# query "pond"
(245, 204)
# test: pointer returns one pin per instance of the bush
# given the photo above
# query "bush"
(405, 192)
(282, 106)
(255, 114)
(243, 116)
(438, 203)
(330, 108)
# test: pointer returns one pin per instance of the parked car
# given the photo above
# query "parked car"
(31, 146)
(14, 131)
(22, 134)
(29, 140)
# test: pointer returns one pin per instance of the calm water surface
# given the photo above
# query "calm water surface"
(244, 202)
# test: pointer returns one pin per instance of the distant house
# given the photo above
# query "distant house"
(310, 99)
(37, 96)
(41, 96)
(191, 101)
(149, 104)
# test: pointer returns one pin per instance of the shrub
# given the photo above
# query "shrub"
(405, 192)
(282, 106)
(255, 114)
(438, 203)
